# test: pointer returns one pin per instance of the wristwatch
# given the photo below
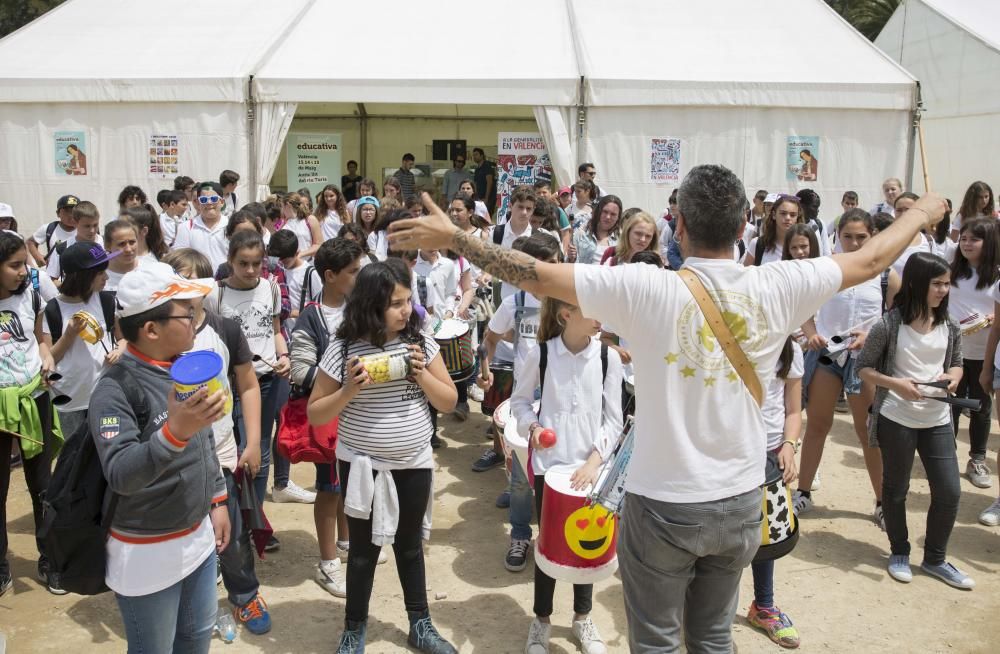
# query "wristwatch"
(794, 444)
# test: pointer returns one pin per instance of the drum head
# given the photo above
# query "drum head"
(450, 329)
(502, 414)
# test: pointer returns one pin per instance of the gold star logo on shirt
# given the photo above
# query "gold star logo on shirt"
(687, 371)
(732, 376)
(709, 381)
(671, 358)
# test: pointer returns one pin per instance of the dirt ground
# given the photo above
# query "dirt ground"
(833, 585)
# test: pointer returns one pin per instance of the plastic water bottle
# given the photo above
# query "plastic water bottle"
(225, 625)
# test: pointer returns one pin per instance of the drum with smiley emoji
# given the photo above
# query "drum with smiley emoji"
(577, 541)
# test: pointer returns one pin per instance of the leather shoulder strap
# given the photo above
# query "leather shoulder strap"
(737, 358)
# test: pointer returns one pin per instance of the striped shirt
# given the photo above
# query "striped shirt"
(388, 422)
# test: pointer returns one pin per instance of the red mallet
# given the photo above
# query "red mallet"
(547, 438)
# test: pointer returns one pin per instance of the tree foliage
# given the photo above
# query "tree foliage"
(14, 14)
(867, 16)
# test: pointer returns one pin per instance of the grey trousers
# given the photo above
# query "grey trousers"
(681, 565)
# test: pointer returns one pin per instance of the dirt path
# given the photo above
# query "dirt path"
(833, 585)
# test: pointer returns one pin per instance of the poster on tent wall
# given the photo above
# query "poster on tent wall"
(313, 161)
(521, 159)
(802, 158)
(163, 155)
(664, 160)
(70, 147)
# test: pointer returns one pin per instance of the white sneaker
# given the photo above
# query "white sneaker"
(816, 482)
(292, 493)
(475, 393)
(331, 577)
(878, 516)
(991, 516)
(801, 503)
(343, 551)
(538, 637)
(586, 634)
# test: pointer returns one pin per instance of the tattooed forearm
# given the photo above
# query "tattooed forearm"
(509, 265)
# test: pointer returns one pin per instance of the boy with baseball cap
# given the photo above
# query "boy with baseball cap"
(55, 232)
(171, 517)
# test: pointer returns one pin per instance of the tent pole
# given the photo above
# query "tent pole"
(911, 142)
(252, 137)
(581, 119)
(363, 118)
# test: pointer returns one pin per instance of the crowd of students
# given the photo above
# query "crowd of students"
(291, 293)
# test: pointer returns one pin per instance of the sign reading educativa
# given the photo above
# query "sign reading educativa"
(313, 161)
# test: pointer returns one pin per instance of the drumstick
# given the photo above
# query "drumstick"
(481, 353)
(965, 403)
(14, 434)
(258, 357)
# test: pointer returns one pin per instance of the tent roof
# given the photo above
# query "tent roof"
(422, 55)
(733, 52)
(635, 52)
(980, 18)
(142, 50)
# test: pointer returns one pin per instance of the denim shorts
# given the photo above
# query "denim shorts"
(326, 478)
(846, 373)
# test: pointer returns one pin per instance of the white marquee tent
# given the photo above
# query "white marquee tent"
(228, 77)
(953, 48)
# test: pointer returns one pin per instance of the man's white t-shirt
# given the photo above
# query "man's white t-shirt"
(699, 434)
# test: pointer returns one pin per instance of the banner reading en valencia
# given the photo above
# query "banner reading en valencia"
(521, 159)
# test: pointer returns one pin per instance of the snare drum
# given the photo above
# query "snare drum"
(503, 385)
(455, 339)
(577, 541)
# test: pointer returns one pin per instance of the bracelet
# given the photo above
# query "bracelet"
(284, 354)
(927, 222)
(794, 444)
(216, 505)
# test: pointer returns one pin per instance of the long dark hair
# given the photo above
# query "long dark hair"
(770, 234)
(595, 218)
(911, 300)
(10, 244)
(987, 271)
(785, 359)
(340, 206)
(364, 312)
(145, 218)
(970, 202)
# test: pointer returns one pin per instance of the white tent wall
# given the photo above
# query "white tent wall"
(857, 148)
(953, 48)
(212, 136)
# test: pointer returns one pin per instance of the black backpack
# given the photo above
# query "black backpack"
(53, 315)
(75, 524)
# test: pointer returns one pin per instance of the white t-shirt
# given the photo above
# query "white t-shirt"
(169, 226)
(53, 269)
(254, 309)
(81, 364)
(945, 250)
(331, 225)
(389, 422)
(332, 316)
(295, 279)
(438, 282)
(506, 290)
(59, 235)
(856, 307)
(211, 242)
(378, 244)
(769, 256)
(300, 227)
(900, 263)
(964, 301)
(774, 399)
(919, 357)
(700, 436)
(136, 569)
(505, 319)
(20, 359)
(956, 221)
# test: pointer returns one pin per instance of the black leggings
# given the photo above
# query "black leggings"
(413, 487)
(979, 421)
(37, 471)
(545, 586)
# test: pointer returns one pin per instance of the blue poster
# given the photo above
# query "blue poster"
(70, 152)
(802, 158)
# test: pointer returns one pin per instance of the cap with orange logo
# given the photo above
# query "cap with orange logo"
(153, 284)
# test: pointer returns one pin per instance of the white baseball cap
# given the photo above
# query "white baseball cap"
(153, 284)
(6, 211)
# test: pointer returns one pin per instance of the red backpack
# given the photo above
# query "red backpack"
(299, 441)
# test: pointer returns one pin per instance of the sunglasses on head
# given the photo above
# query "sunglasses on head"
(208, 199)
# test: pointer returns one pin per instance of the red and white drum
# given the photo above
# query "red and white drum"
(577, 541)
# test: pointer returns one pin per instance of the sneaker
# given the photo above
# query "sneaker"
(978, 473)
(330, 577)
(899, 568)
(254, 616)
(775, 624)
(6, 582)
(461, 412)
(475, 393)
(878, 517)
(991, 516)
(425, 637)
(436, 441)
(949, 574)
(538, 637)
(801, 503)
(841, 406)
(489, 459)
(273, 544)
(517, 555)
(382, 557)
(586, 634)
(292, 493)
(352, 641)
(816, 482)
(50, 578)
(503, 500)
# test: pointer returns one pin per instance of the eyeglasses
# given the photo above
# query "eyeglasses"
(208, 199)
(188, 316)
(590, 172)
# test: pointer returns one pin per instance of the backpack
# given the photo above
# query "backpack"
(306, 288)
(50, 229)
(498, 234)
(297, 440)
(53, 315)
(758, 252)
(75, 523)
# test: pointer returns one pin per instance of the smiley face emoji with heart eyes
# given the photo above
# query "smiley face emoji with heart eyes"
(589, 531)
